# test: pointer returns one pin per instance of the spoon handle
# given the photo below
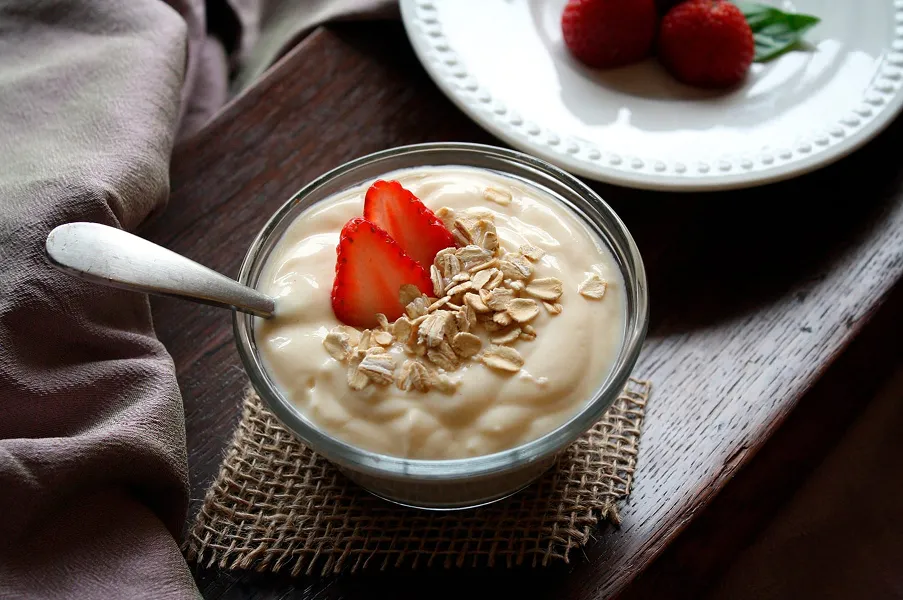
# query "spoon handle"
(113, 257)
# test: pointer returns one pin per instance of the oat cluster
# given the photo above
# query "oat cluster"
(477, 287)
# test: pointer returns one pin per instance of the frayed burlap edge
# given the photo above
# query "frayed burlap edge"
(278, 506)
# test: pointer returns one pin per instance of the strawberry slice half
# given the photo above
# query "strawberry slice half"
(417, 230)
(370, 269)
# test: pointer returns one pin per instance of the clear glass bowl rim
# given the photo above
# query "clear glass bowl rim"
(358, 459)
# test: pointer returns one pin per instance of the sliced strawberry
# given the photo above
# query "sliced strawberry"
(417, 230)
(370, 268)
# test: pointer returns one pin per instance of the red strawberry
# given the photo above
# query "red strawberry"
(417, 230)
(609, 33)
(370, 269)
(706, 43)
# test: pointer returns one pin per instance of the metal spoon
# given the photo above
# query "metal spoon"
(113, 257)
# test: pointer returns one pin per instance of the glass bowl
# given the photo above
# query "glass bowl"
(467, 482)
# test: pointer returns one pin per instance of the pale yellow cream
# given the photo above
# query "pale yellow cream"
(491, 411)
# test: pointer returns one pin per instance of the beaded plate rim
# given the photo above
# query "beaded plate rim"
(880, 103)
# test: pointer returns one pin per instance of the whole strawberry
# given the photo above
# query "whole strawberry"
(609, 33)
(706, 43)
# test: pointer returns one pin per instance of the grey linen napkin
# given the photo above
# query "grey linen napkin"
(247, 37)
(92, 442)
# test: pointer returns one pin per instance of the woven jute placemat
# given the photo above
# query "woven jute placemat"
(278, 506)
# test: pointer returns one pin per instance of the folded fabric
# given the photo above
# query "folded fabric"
(92, 442)
(243, 38)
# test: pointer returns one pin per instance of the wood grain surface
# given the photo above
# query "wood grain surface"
(754, 294)
(699, 557)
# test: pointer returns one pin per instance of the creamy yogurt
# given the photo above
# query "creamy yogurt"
(490, 411)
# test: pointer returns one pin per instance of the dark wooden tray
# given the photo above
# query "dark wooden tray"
(754, 293)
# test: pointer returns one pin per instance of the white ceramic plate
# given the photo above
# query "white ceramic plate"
(503, 62)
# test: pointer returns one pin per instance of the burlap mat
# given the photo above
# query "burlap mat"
(276, 505)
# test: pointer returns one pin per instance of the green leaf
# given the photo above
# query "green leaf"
(775, 31)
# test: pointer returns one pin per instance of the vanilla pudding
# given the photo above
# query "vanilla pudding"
(567, 349)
